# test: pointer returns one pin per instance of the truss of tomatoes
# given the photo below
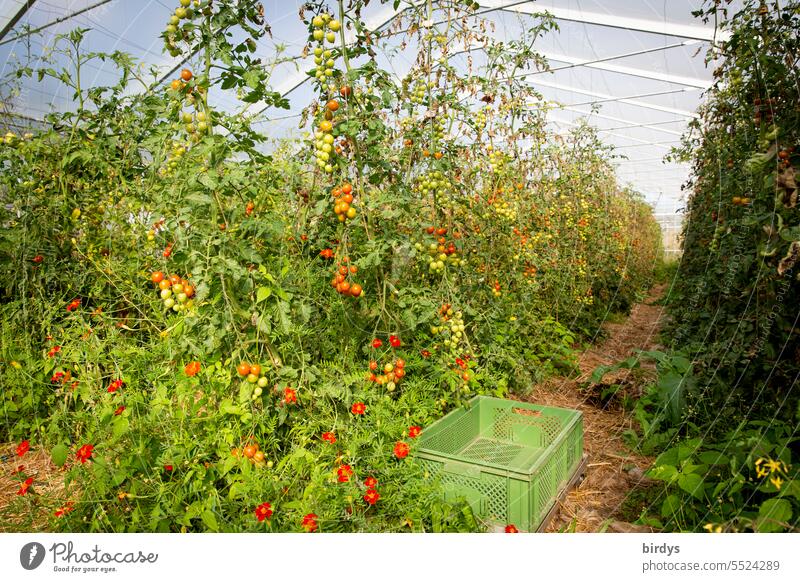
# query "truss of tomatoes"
(341, 283)
(176, 293)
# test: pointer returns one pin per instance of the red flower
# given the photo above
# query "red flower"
(425, 354)
(310, 522)
(168, 468)
(376, 343)
(115, 385)
(371, 496)
(119, 411)
(413, 431)
(370, 482)
(326, 253)
(263, 511)
(74, 304)
(53, 351)
(62, 511)
(84, 453)
(358, 408)
(511, 528)
(329, 437)
(401, 450)
(23, 489)
(38, 259)
(289, 396)
(395, 341)
(23, 448)
(57, 377)
(192, 368)
(344, 472)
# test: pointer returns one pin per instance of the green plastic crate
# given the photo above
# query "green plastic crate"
(510, 460)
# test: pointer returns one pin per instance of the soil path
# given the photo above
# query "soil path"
(613, 469)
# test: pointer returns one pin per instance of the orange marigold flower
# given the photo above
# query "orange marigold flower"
(23, 489)
(344, 473)
(23, 448)
(511, 528)
(358, 408)
(310, 522)
(289, 396)
(329, 437)
(84, 453)
(370, 482)
(119, 411)
(401, 450)
(413, 431)
(371, 496)
(192, 368)
(263, 511)
(62, 511)
(115, 385)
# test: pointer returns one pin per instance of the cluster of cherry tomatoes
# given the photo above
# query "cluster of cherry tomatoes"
(389, 375)
(433, 183)
(340, 282)
(783, 155)
(440, 252)
(452, 329)
(496, 289)
(322, 56)
(175, 292)
(343, 202)
(324, 142)
(419, 91)
(253, 452)
(497, 159)
(183, 12)
(253, 374)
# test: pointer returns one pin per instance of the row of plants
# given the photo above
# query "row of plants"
(209, 330)
(726, 405)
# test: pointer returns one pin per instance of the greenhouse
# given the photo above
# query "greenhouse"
(425, 266)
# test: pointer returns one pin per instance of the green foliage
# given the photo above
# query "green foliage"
(133, 183)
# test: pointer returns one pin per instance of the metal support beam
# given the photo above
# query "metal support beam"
(652, 125)
(639, 96)
(619, 135)
(12, 22)
(633, 102)
(614, 21)
(54, 22)
(631, 71)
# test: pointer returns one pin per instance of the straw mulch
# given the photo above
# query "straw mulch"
(29, 512)
(613, 470)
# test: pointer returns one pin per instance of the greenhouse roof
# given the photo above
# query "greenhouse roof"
(635, 70)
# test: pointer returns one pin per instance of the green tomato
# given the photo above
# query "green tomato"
(166, 294)
(169, 302)
(252, 378)
(262, 382)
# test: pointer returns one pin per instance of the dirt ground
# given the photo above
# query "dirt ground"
(613, 470)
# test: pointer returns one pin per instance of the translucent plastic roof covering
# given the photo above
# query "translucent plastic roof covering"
(639, 63)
